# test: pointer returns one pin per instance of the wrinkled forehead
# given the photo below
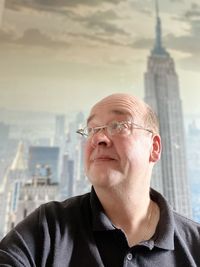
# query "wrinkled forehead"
(119, 104)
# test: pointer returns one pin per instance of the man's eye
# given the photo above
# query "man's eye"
(89, 130)
(125, 126)
(96, 130)
(115, 125)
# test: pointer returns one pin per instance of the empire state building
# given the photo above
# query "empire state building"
(162, 94)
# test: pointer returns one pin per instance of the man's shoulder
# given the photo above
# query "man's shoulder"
(69, 203)
(49, 232)
(186, 227)
(55, 214)
(72, 206)
(184, 221)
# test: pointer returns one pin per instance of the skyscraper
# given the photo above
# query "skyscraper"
(42, 159)
(33, 193)
(162, 93)
(67, 177)
(59, 138)
(15, 176)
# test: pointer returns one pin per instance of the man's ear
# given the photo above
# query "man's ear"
(156, 148)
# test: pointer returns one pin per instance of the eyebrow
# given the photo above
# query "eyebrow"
(90, 118)
(113, 111)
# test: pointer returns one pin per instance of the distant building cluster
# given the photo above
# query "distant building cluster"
(43, 168)
(36, 174)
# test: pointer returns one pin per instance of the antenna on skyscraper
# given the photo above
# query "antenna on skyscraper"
(157, 8)
(158, 48)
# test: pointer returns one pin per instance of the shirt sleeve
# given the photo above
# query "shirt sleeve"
(22, 246)
(14, 251)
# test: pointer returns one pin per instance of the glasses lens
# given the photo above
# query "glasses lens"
(113, 128)
(88, 131)
(121, 128)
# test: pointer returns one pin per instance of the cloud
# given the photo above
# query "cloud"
(191, 63)
(190, 42)
(98, 22)
(34, 37)
(105, 15)
(102, 22)
(52, 5)
(96, 38)
(30, 37)
(193, 12)
(177, 1)
(142, 7)
(64, 3)
(142, 43)
(6, 36)
(187, 44)
(105, 27)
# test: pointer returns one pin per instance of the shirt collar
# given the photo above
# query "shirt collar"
(100, 221)
(164, 236)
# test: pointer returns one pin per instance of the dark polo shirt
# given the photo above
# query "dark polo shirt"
(77, 233)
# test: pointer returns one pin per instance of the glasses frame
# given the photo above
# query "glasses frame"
(96, 129)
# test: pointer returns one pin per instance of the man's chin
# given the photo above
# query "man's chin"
(104, 179)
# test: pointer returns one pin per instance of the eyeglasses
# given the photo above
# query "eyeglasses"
(113, 128)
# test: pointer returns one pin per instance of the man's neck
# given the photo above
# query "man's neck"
(132, 212)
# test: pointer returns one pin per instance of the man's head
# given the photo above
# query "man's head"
(123, 143)
(135, 106)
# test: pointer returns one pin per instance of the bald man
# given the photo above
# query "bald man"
(122, 221)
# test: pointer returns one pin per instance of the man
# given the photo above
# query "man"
(122, 222)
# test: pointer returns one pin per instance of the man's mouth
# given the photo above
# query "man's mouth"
(103, 158)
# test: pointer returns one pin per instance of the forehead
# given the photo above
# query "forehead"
(118, 104)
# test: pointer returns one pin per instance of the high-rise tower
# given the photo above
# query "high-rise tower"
(162, 93)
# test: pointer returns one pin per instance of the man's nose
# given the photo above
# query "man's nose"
(101, 138)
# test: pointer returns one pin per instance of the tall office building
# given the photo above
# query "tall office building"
(18, 175)
(74, 145)
(67, 182)
(34, 193)
(4, 134)
(5, 199)
(162, 93)
(14, 178)
(42, 159)
(59, 138)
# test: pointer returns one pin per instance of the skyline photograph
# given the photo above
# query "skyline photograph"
(63, 56)
(58, 58)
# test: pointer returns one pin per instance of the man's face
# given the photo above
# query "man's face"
(117, 159)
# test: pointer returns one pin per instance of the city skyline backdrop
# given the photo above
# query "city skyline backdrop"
(63, 57)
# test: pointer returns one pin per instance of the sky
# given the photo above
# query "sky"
(63, 56)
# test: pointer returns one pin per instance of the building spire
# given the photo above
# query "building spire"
(158, 48)
(19, 162)
(157, 8)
